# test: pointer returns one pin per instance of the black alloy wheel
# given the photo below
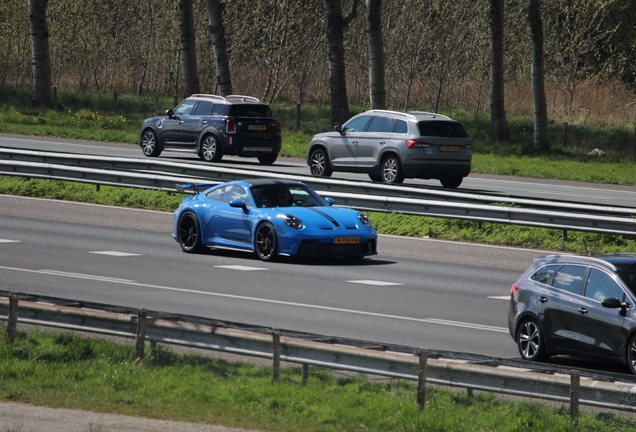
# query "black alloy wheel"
(266, 242)
(149, 144)
(189, 233)
(268, 159)
(390, 170)
(631, 354)
(210, 151)
(530, 341)
(319, 164)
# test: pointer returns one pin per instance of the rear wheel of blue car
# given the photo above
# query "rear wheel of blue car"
(266, 242)
(531, 342)
(189, 232)
(149, 144)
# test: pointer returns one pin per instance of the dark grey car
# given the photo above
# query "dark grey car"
(576, 305)
(213, 126)
(390, 146)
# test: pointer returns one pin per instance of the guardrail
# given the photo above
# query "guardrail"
(373, 358)
(163, 175)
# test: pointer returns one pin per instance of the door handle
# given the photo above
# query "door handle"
(204, 122)
(181, 122)
(382, 142)
(543, 299)
(583, 311)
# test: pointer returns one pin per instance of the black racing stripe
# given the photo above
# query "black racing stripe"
(325, 215)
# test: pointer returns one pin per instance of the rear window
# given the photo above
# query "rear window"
(441, 129)
(246, 110)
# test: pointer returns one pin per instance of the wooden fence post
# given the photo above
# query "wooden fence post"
(141, 335)
(575, 380)
(12, 318)
(276, 357)
(421, 379)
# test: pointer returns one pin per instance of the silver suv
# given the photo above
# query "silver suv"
(390, 146)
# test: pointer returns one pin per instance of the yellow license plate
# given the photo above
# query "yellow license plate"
(449, 148)
(257, 127)
(347, 240)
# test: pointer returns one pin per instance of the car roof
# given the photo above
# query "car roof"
(411, 115)
(231, 99)
(613, 261)
(265, 182)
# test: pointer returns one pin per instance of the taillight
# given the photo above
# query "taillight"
(416, 144)
(277, 128)
(230, 126)
(513, 289)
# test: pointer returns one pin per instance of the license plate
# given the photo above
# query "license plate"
(347, 240)
(449, 148)
(257, 127)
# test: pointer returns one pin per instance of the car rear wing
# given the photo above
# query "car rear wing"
(193, 188)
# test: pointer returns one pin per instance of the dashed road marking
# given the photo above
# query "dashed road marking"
(240, 267)
(9, 241)
(507, 297)
(374, 282)
(115, 253)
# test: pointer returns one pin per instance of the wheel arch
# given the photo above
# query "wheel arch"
(530, 316)
(315, 146)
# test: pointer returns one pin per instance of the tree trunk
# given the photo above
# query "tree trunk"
(217, 30)
(541, 141)
(336, 24)
(188, 48)
(376, 54)
(499, 124)
(42, 87)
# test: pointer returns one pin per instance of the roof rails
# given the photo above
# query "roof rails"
(429, 113)
(207, 96)
(582, 257)
(390, 112)
(243, 97)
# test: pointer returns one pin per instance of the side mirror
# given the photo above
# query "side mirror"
(238, 203)
(329, 201)
(612, 303)
(337, 128)
(169, 113)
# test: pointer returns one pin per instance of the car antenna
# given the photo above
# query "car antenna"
(587, 252)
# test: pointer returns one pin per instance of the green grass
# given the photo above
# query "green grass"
(65, 370)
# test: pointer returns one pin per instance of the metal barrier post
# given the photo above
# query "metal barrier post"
(575, 380)
(421, 379)
(141, 335)
(12, 318)
(276, 357)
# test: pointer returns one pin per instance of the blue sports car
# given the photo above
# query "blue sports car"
(270, 218)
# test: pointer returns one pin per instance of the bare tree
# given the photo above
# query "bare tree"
(191, 83)
(541, 141)
(336, 24)
(42, 87)
(376, 54)
(499, 124)
(215, 10)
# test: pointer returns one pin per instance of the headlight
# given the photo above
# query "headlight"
(364, 219)
(292, 221)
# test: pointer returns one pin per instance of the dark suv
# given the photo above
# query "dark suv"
(213, 126)
(582, 306)
(390, 146)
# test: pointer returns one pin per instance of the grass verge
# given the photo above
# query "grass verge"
(66, 370)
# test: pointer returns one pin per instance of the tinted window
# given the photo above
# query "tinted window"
(401, 127)
(379, 124)
(221, 110)
(276, 195)
(600, 286)
(628, 275)
(204, 108)
(544, 274)
(185, 108)
(216, 194)
(235, 192)
(245, 110)
(356, 124)
(441, 129)
(570, 278)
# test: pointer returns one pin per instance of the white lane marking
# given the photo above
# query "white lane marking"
(374, 282)
(259, 300)
(84, 276)
(9, 241)
(507, 297)
(115, 253)
(240, 267)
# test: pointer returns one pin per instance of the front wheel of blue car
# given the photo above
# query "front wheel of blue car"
(266, 242)
(189, 233)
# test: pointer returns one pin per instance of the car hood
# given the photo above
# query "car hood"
(326, 218)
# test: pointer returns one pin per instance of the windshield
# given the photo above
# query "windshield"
(285, 195)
